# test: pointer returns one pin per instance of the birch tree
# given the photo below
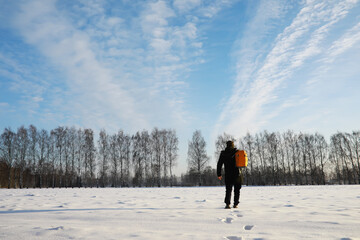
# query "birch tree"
(114, 160)
(172, 152)
(157, 155)
(197, 157)
(43, 139)
(89, 160)
(7, 145)
(22, 145)
(103, 150)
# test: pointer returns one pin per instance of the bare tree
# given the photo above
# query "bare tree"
(197, 157)
(137, 158)
(89, 160)
(67, 157)
(164, 145)
(345, 154)
(260, 151)
(355, 142)
(339, 159)
(59, 137)
(146, 156)
(311, 156)
(43, 139)
(272, 149)
(283, 175)
(80, 155)
(121, 146)
(22, 145)
(126, 160)
(114, 159)
(350, 154)
(7, 145)
(292, 153)
(304, 157)
(103, 150)
(52, 157)
(72, 145)
(172, 152)
(249, 146)
(322, 153)
(157, 154)
(32, 165)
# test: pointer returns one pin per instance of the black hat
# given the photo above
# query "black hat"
(230, 144)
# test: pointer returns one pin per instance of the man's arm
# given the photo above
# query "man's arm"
(219, 166)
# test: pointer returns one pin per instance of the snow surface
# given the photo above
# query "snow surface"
(293, 212)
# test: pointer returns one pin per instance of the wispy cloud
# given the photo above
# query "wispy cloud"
(186, 5)
(90, 82)
(118, 69)
(210, 10)
(258, 87)
(19, 78)
(344, 43)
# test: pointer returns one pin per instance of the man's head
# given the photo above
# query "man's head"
(230, 144)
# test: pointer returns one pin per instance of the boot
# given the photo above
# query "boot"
(227, 206)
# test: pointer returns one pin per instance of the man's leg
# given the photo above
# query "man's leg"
(228, 193)
(237, 187)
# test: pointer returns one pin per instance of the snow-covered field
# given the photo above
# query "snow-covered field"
(295, 212)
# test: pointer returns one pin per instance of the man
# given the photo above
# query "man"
(233, 174)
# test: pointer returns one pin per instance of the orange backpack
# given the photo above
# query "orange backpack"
(241, 158)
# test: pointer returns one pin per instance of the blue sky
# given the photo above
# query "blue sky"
(218, 66)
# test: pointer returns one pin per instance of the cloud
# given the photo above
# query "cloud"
(18, 78)
(213, 7)
(37, 99)
(344, 43)
(259, 87)
(117, 70)
(4, 104)
(186, 5)
(91, 84)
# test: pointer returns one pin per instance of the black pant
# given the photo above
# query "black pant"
(230, 183)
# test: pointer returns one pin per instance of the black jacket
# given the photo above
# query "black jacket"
(227, 157)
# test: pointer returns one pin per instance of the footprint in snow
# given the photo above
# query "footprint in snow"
(227, 220)
(233, 238)
(29, 195)
(289, 205)
(57, 228)
(237, 214)
(248, 227)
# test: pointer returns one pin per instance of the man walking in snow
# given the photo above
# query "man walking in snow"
(233, 174)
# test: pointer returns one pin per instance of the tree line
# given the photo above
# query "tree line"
(70, 157)
(299, 158)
